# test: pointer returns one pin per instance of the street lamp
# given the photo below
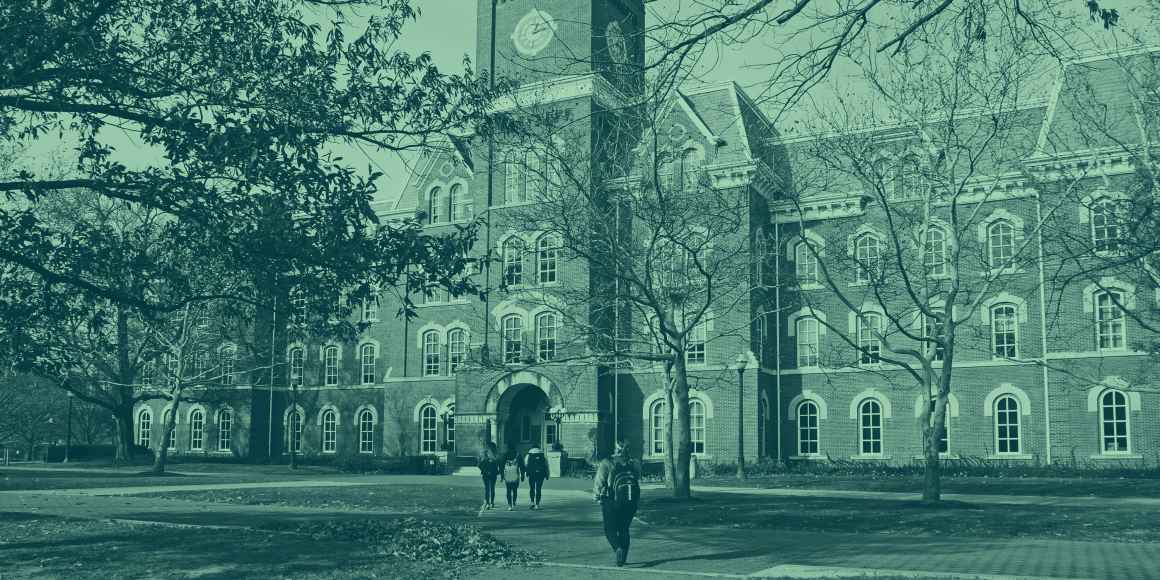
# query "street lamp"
(68, 429)
(742, 362)
(556, 415)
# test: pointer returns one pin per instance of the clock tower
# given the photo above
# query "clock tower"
(539, 40)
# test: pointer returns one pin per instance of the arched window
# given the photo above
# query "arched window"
(806, 333)
(697, 425)
(513, 262)
(1105, 226)
(1007, 425)
(225, 423)
(690, 175)
(1000, 243)
(536, 179)
(513, 178)
(546, 326)
(367, 356)
(805, 265)
(695, 344)
(197, 430)
(1004, 331)
(1110, 327)
(935, 252)
(329, 431)
(228, 356)
(870, 338)
(512, 328)
(870, 421)
(298, 307)
(908, 181)
(145, 428)
(294, 431)
(297, 357)
(437, 206)
(366, 431)
(461, 209)
(657, 428)
(456, 349)
(330, 364)
(1114, 422)
(547, 259)
(370, 309)
(431, 353)
(428, 429)
(807, 428)
(868, 253)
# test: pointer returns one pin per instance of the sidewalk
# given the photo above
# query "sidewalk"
(569, 534)
(1060, 501)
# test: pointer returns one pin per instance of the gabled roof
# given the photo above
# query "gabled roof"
(455, 149)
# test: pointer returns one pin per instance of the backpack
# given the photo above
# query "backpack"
(625, 485)
(510, 472)
(536, 466)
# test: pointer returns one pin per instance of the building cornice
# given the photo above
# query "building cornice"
(560, 89)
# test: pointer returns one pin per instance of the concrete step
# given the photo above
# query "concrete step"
(466, 470)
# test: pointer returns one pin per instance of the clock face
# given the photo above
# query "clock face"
(534, 32)
(617, 46)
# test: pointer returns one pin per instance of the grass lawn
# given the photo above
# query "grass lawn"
(435, 499)
(844, 515)
(1047, 486)
(22, 479)
(45, 547)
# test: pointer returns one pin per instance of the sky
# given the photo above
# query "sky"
(446, 29)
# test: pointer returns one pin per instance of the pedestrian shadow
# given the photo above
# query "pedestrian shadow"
(735, 554)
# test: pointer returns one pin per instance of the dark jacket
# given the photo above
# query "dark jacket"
(488, 464)
(536, 466)
(602, 483)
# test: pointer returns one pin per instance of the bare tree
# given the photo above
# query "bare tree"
(647, 251)
(931, 247)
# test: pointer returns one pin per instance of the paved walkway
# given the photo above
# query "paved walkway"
(1060, 501)
(567, 531)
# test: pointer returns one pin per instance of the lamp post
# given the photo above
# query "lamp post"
(556, 415)
(742, 362)
(68, 429)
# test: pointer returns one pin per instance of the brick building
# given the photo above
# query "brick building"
(1048, 372)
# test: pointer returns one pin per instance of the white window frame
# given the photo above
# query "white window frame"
(808, 433)
(805, 265)
(512, 338)
(870, 434)
(366, 431)
(428, 429)
(297, 356)
(329, 422)
(1007, 420)
(1012, 330)
(225, 421)
(197, 430)
(808, 343)
(548, 259)
(697, 434)
(367, 368)
(934, 252)
(696, 349)
(1126, 421)
(145, 428)
(431, 348)
(1114, 329)
(513, 261)
(456, 349)
(228, 356)
(295, 424)
(330, 365)
(657, 419)
(461, 203)
(546, 336)
(868, 338)
(994, 259)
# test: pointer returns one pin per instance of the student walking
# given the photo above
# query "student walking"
(489, 469)
(617, 488)
(536, 470)
(512, 474)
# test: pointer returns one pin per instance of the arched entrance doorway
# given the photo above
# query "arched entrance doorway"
(522, 423)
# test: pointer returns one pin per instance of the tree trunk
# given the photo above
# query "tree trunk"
(681, 442)
(670, 458)
(161, 454)
(123, 437)
(932, 432)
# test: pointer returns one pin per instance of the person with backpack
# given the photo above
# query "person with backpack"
(617, 488)
(489, 469)
(536, 470)
(512, 474)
